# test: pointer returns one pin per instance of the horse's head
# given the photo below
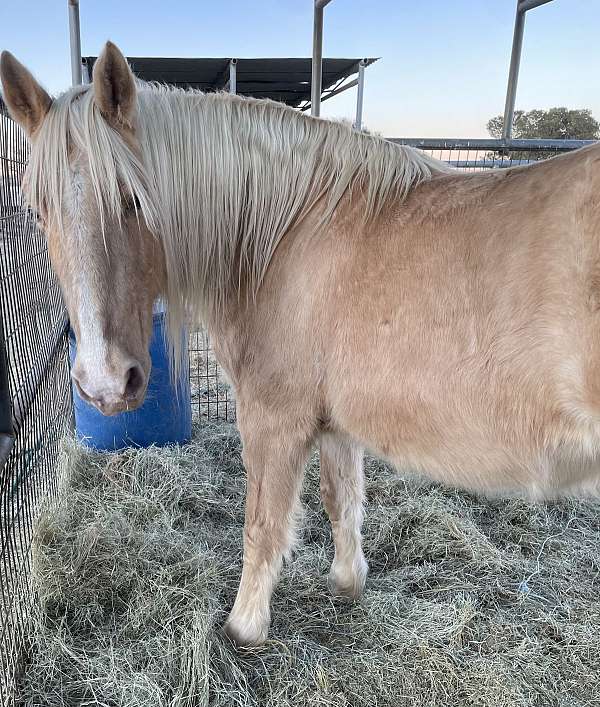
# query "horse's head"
(85, 179)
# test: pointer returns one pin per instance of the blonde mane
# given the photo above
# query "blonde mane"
(220, 179)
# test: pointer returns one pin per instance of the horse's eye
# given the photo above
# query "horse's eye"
(132, 204)
(38, 218)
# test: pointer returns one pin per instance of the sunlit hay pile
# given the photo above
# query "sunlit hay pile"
(468, 602)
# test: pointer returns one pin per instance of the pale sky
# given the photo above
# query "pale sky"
(443, 67)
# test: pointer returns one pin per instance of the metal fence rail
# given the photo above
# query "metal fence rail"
(474, 155)
(35, 392)
(457, 143)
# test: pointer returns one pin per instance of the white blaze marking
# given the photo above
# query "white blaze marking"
(92, 346)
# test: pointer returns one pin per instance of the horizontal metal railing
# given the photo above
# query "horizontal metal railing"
(496, 145)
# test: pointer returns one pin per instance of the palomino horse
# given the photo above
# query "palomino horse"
(359, 294)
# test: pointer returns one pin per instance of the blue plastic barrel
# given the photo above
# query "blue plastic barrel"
(164, 418)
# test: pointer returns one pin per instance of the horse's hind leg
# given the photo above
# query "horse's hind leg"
(274, 455)
(342, 491)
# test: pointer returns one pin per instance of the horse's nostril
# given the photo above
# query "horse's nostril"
(79, 388)
(134, 381)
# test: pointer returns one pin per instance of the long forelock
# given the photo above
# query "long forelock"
(74, 128)
(219, 180)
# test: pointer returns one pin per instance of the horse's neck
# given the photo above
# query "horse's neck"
(244, 173)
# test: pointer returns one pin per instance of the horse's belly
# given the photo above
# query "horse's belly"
(470, 447)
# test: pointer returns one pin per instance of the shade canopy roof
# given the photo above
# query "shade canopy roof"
(286, 80)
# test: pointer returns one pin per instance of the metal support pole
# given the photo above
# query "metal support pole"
(317, 58)
(75, 41)
(515, 61)
(233, 76)
(359, 94)
(513, 73)
(317, 61)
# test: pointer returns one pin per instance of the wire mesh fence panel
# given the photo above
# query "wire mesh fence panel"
(212, 398)
(34, 327)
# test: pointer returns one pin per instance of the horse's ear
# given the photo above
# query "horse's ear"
(27, 101)
(114, 86)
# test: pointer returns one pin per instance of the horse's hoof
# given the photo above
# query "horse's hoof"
(348, 584)
(245, 634)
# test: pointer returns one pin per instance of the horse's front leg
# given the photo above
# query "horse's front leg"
(274, 455)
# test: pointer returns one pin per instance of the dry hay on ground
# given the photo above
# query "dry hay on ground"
(469, 602)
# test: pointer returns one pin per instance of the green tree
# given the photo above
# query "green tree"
(554, 123)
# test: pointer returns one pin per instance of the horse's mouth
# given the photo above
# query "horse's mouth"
(110, 408)
(128, 405)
